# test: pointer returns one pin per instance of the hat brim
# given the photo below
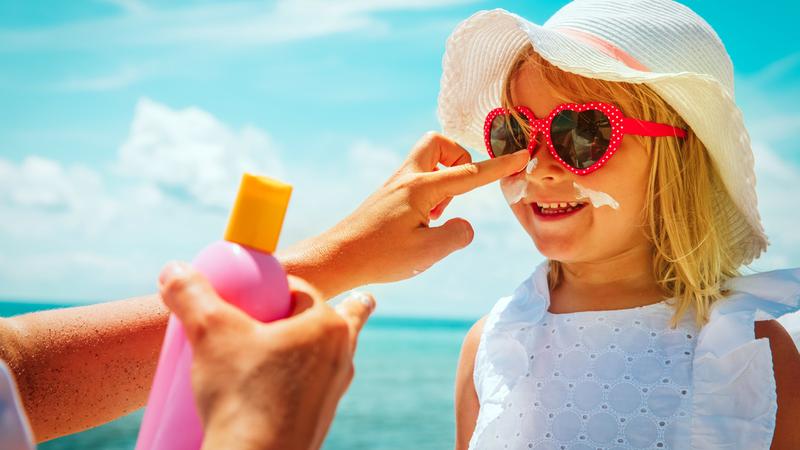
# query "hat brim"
(479, 54)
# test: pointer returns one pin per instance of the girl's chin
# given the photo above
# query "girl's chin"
(560, 248)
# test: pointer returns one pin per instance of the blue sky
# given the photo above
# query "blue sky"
(124, 126)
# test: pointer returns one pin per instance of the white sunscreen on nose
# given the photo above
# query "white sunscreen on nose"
(514, 187)
(597, 198)
(531, 165)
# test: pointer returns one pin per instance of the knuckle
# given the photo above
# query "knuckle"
(431, 139)
(198, 328)
(185, 284)
(409, 181)
(469, 169)
(202, 320)
(213, 317)
(205, 320)
(432, 136)
(200, 332)
(338, 327)
(178, 286)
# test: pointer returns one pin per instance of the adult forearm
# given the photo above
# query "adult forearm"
(329, 262)
(83, 366)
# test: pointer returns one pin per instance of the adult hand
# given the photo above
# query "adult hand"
(265, 386)
(388, 238)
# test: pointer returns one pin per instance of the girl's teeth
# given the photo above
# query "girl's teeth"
(555, 208)
(560, 205)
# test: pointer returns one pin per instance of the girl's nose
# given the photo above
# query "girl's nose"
(548, 169)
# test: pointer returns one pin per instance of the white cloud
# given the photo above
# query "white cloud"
(39, 187)
(191, 151)
(42, 183)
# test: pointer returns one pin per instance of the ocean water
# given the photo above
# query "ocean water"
(401, 397)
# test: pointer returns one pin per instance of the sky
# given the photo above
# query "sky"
(125, 126)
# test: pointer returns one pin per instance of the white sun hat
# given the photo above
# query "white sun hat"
(661, 43)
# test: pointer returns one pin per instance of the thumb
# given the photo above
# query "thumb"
(189, 295)
(355, 310)
(450, 236)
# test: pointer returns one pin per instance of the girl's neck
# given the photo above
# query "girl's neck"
(623, 281)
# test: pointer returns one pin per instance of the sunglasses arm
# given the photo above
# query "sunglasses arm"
(644, 128)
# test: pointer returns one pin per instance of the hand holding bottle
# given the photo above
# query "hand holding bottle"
(265, 385)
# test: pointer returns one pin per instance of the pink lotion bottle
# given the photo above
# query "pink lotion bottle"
(244, 273)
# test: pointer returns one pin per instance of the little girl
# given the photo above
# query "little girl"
(637, 331)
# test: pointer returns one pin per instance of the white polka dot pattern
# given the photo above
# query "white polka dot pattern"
(597, 379)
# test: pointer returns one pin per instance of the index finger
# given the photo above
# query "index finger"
(463, 178)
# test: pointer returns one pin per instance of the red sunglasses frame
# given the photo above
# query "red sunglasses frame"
(620, 126)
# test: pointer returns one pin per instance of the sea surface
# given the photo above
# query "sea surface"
(401, 397)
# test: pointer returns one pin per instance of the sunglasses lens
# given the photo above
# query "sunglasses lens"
(580, 138)
(508, 135)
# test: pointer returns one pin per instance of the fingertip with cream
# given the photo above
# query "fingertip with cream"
(365, 299)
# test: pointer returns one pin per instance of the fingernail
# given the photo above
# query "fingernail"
(172, 270)
(365, 299)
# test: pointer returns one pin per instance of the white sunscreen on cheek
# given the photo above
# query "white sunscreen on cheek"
(597, 198)
(514, 187)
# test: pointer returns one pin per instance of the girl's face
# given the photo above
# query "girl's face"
(590, 234)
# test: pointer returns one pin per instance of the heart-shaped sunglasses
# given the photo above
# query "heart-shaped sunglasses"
(582, 137)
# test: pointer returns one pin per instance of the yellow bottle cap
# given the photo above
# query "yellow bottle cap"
(258, 213)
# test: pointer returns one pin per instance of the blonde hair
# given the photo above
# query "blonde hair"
(691, 255)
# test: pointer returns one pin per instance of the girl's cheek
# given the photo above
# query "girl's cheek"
(514, 187)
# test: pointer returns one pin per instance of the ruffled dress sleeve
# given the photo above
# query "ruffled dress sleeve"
(734, 402)
(501, 360)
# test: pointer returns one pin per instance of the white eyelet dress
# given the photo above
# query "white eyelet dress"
(623, 379)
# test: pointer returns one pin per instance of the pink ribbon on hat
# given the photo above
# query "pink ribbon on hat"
(605, 47)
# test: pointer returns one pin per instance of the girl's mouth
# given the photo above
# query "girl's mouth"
(555, 212)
